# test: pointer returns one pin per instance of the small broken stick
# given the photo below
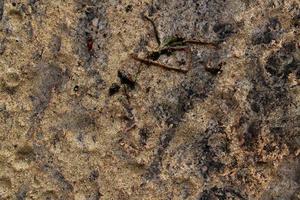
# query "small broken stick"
(154, 28)
(199, 42)
(127, 129)
(150, 62)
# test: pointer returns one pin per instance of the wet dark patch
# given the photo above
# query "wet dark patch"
(182, 18)
(95, 196)
(142, 44)
(153, 8)
(208, 163)
(274, 24)
(57, 175)
(49, 195)
(26, 153)
(34, 5)
(172, 114)
(55, 44)
(90, 13)
(290, 47)
(144, 135)
(49, 78)
(268, 33)
(81, 121)
(296, 21)
(263, 38)
(97, 84)
(10, 83)
(269, 95)
(93, 73)
(46, 163)
(251, 135)
(277, 131)
(222, 194)
(153, 170)
(264, 99)
(282, 62)
(259, 101)
(4, 113)
(208, 156)
(192, 90)
(269, 148)
(195, 88)
(60, 178)
(32, 2)
(2, 46)
(56, 137)
(1, 9)
(78, 121)
(9, 90)
(93, 31)
(224, 30)
(22, 193)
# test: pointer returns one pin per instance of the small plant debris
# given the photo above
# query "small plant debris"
(114, 88)
(149, 62)
(174, 44)
(126, 79)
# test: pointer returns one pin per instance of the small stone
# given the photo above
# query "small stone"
(114, 88)
(128, 8)
(95, 22)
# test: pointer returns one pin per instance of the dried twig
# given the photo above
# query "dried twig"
(150, 62)
(154, 28)
(180, 48)
(127, 129)
(198, 42)
(175, 44)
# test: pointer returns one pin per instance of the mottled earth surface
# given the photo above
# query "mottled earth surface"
(90, 109)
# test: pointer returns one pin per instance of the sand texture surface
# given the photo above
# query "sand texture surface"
(149, 99)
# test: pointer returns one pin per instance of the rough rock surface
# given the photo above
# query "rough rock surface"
(90, 110)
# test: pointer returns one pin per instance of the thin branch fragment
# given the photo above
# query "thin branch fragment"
(150, 62)
(180, 48)
(154, 28)
(198, 42)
